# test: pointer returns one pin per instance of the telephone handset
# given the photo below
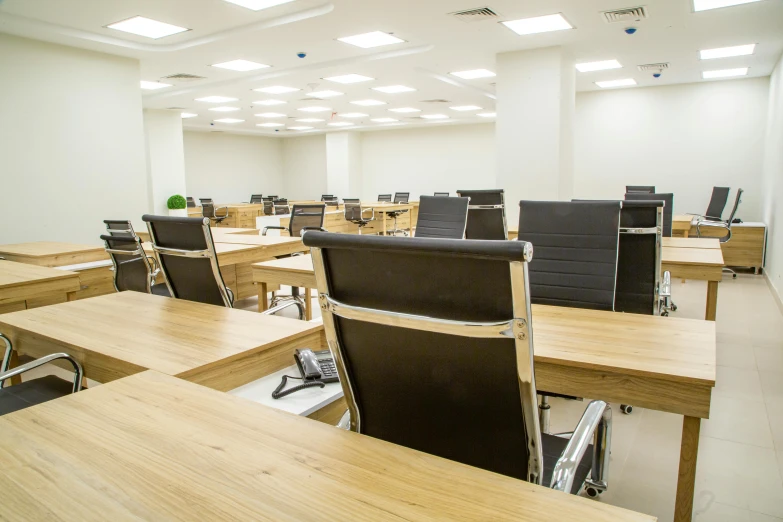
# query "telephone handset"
(315, 368)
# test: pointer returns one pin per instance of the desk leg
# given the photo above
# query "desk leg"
(13, 363)
(712, 300)
(70, 296)
(685, 233)
(686, 481)
(263, 302)
(308, 305)
(383, 220)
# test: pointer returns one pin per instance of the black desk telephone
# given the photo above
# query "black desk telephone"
(315, 368)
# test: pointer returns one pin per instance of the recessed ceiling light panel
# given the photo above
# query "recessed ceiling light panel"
(434, 116)
(216, 99)
(725, 73)
(704, 5)
(393, 89)
(300, 128)
(538, 24)
(186, 115)
(257, 5)
(147, 27)
(240, 65)
(598, 66)
(405, 110)
(487, 114)
(269, 102)
(229, 120)
(625, 82)
(277, 89)
(463, 108)
(315, 108)
(473, 74)
(727, 52)
(373, 39)
(270, 124)
(325, 94)
(309, 120)
(271, 115)
(153, 86)
(349, 78)
(384, 120)
(224, 109)
(368, 103)
(353, 115)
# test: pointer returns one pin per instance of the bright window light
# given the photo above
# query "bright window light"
(538, 24)
(325, 94)
(309, 120)
(727, 52)
(188, 115)
(463, 108)
(240, 65)
(224, 109)
(473, 74)
(229, 120)
(598, 66)
(315, 108)
(368, 103)
(349, 78)
(271, 115)
(393, 89)
(373, 39)
(725, 73)
(216, 99)
(616, 83)
(277, 89)
(153, 86)
(405, 110)
(487, 114)
(704, 5)
(257, 5)
(434, 116)
(340, 124)
(384, 120)
(353, 115)
(300, 128)
(147, 27)
(269, 102)
(270, 124)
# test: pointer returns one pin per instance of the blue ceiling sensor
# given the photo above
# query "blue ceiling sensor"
(630, 30)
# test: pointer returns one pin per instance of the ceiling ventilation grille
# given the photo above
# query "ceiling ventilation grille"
(435, 101)
(184, 77)
(475, 15)
(629, 14)
(653, 67)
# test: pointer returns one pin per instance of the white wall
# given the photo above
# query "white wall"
(305, 167)
(344, 164)
(165, 157)
(773, 180)
(229, 168)
(71, 142)
(683, 139)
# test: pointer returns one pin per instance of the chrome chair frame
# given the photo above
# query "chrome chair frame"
(658, 305)
(153, 269)
(502, 206)
(704, 221)
(5, 373)
(364, 222)
(215, 216)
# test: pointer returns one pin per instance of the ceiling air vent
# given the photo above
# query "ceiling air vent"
(475, 15)
(652, 67)
(184, 77)
(435, 101)
(629, 14)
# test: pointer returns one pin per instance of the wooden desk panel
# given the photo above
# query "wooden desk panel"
(690, 242)
(746, 248)
(154, 447)
(52, 253)
(24, 286)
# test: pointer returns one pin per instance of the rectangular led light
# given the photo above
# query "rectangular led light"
(224, 109)
(434, 116)
(349, 78)
(487, 114)
(727, 52)
(271, 115)
(538, 24)
(147, 27)
(240, 65)
(277, 89)
(616, 83)
(384, 120)
(315, 108)
(473, 74)
(725, 73)
(598, 66)
(257, 5)
(270, 124)
(405, 110)
(309, 120)
(269, 102)
(188, 115)
(393, 89)
(704, 5)
(340, 124)
(368, 103)
(463, 108)
(325, 94)
(352, 115)
(216, 99)
(301, 128)
(153, 86)
(229, 120)
(373, 39)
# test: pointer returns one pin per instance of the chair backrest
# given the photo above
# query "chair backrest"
(401, 197)
(206, 200)
(639, 255)
(119, 228)
(486, 214)
(644, 189)
(281, 206)
(325, 197)
(269, 207)
(385, 197)
(257, 198)
(737, 202)
(576, 245)
(207, 209)
(441, 194)
(187, 258)
(132, 269)
(443, 218)
(353, 209)
(334, 202)
(717, 203)
(305, 216)
(424, 363)
(191, 202)
(668, 209)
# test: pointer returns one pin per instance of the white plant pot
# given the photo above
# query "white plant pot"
(178, 212)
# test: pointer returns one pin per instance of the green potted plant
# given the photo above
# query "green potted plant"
(177, 206)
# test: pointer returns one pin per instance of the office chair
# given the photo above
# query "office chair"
(119, 228)
(208, 210)
(205, 200)
(133, 269)
(333, 202)
(441, 194)
(384, 198)
(642, 189)
(269, 207)
(35, 391)
(354, 213)
(720, 195)
(722, 224)
(486, 214)
(191, 202)
(281, 206)
(443, 218)
(399, 197)
(257, 199)
(325, 197)
(414, 360)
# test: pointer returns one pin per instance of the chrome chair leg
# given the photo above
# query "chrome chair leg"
(730, 271)
(602, 442)
(543, 414)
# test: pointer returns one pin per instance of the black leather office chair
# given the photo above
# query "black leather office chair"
(303, 217)
(443, 218)
(355, 214)
(486, 214)
(426, 365)
(706, 223)
(281, 206)
(119, 228)
(328, 197)
(206, 200)
(269, 207)
(720, 195)
(257, 199)
(385, 198)
(133, 270)
(35, 391)
(208, 210)
(191, 202)
(333, 202)
(441, 194)
(399, 197)
(643, 189)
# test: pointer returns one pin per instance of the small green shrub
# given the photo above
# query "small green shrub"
(177, 202)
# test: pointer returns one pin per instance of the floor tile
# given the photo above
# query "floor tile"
(768, 358)
(737, 383)
(738, 420)
(736, 356)
(772, 384)
(717, 512)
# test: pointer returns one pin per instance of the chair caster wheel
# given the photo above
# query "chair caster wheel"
(664, 314)
(674, 308)
(626, 408)
(734, 276)
(592, 492)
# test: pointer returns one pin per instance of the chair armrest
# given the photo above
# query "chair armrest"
(223, 215)
(565, 469)
(305, 229)
(263, 233)
(714, 224)
(77, 368)
(345, 421)
(665, 289)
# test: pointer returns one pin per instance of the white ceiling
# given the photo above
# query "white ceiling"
(436, 44)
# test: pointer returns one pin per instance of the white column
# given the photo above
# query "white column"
(165, 157)
(343, 164)
(534, 130)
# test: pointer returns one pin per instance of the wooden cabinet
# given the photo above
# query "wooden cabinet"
(747, 245)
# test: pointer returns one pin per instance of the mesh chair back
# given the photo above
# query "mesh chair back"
(119, 228)
(443, 218)
(186, 256)
(385, 197)
(639, 256)
(306, 216)
(257, 199)
(132, 269)
(668, 208)
(281, 206)
(441, 194)
(717, 203)
(576, 246)
(644, 189)
(486, 214)
(401, 197)
(191, 202)
(415, 380)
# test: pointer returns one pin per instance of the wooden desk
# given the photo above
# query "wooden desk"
(292, 271)
(704, 264)
(690, 242)
(52, 253)
(154, 447)
(681, 225)
(746, 248)
(240, 215)
(405, 221)
(217, 232)
(24, 286)
(124, 333)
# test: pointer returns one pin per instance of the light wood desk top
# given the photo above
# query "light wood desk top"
(21, 282)
(709, 257)
(248, 249)
(286, 244)
(692, 242)
(120, 334)
(383, 206)
(52, 253)
(682, 222)
(217, 232)
(155, 447)
(298, 267)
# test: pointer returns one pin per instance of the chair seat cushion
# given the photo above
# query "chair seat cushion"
(35, 391)
(553, 447)
(160, 289)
